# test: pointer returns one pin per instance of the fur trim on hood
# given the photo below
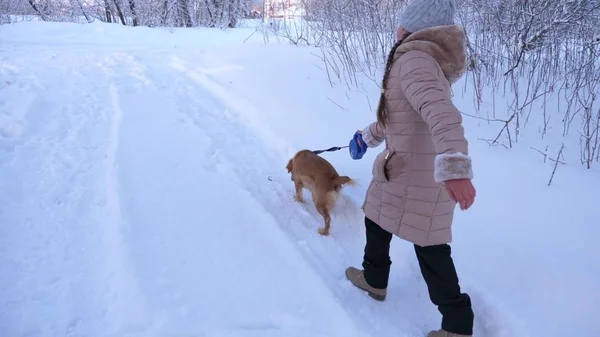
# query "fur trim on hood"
(446, 44)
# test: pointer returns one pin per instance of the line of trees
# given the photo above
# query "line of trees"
(152, 13)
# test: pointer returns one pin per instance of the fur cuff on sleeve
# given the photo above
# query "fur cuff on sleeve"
(367, 136)
(452, 166)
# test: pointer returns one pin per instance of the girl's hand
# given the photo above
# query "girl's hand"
(461, 191)
(358, 140)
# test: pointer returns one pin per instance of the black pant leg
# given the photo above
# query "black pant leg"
(440, 275)
(376, 260)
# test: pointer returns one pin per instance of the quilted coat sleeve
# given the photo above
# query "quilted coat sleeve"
(428, 91)
(373, 135)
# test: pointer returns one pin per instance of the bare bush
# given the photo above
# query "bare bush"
(356, 35)
(528, 51)
(540, 47)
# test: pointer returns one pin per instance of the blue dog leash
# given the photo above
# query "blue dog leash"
(356, 151)
(331, 149)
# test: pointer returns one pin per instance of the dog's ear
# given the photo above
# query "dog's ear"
(289, 166)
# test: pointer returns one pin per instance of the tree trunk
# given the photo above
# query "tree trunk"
(38, 10)
(185, 12)
(120, 13)
(232, 13)
(107, 11)
(133, 14)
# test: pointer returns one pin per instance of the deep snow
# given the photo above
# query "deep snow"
(143, 192)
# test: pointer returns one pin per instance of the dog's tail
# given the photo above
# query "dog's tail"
(344, 180)
(289, 166)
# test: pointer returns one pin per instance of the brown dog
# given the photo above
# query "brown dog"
(316, 174)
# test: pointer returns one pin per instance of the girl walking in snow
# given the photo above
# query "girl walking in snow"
(424, 170)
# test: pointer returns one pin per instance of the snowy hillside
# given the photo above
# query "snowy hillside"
(143, 192)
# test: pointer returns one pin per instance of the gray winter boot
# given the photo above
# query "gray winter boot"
(357, 277)
(442, 333)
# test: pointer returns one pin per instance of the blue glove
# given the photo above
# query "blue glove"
(357, 151)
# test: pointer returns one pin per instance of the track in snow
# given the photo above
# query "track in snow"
(65, 267)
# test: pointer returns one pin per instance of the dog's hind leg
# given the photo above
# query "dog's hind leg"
(322, 209)
(298, 186)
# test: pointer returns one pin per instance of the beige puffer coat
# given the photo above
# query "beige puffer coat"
(424, 139)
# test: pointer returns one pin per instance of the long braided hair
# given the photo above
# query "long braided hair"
(382, 113)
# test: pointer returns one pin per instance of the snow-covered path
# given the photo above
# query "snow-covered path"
(143, 192)
(62, 239)
(166, 213)
(140, 224)
(235, 272)
(163, 180)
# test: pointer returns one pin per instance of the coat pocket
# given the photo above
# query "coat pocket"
(379, 166)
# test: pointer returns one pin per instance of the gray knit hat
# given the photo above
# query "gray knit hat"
(421, 14)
